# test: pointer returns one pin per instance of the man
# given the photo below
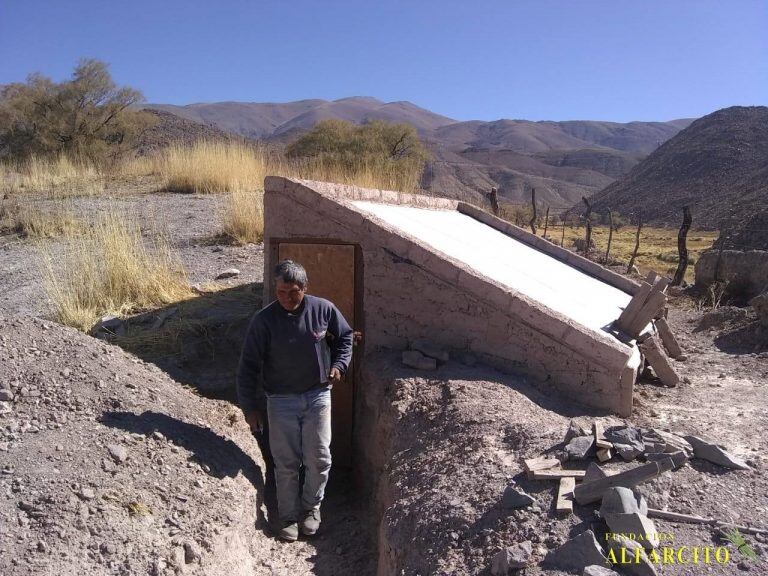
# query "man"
(287, 345)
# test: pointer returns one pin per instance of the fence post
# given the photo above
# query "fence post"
(533, 216)
(546, 222)
(610, 234)
(493, 198)
(637, 242)
(588, 216)
(682, 248)
(562, 234)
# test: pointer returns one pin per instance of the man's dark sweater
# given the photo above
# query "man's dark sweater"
(290, 350)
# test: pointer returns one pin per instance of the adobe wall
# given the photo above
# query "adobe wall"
(745, 271)
(412, 291)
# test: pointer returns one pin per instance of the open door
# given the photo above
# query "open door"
(331, 272)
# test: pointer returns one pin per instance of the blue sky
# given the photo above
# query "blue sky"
(615, 60)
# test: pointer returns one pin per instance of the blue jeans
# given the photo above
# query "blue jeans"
(300, 434)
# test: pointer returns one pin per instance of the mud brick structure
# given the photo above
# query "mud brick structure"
(423, 267)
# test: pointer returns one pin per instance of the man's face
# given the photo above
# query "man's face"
(290, 295)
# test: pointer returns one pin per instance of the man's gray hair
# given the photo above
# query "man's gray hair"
(291, 272)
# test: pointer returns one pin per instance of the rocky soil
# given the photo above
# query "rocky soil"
(111, 464)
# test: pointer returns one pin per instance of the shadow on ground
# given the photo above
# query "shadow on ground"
(196, 342)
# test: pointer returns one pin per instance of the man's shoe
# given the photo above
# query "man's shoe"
(310, 523)
(289, 532)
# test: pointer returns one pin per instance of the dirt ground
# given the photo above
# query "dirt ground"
(456, 439)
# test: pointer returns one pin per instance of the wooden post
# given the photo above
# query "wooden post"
(562, 235)
(682, 249)
(533, 215)
(610, 234)
(546, 222)
(564, 503)
(637, 242)
(658, 360)
(588, 217)
(493, 198)
(723, 238)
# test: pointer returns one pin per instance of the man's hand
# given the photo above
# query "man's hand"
(334, 375)
(255, 419)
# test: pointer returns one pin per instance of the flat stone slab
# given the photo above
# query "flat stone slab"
(711, 452)
(579, 447)
(596, 570)
(621, 500)
(638, 525)
(577, 553)
(594, 472)
(515, 497)
(624, 552)
(430, 349)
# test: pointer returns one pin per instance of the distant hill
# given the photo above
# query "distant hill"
(170, 128)
(718, 166)
(562, 160)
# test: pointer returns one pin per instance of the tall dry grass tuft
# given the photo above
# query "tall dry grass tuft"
(60, 177)
(110, 270)
(208, 167)
(243, 218)
(386, 175)
(32, 221)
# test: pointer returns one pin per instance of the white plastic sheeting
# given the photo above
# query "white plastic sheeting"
(587, 300)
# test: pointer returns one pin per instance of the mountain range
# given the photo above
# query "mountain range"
(562, 160)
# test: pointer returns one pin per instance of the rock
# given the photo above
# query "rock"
(640, 527)
(6, 395)
(87, 494)
(118, 453)
(515, 497)
(596, 570)
(710, 451)
(577, 427)
(629, 556)
(674, 442)
(678, 458)
(191, 553)
(576, 553)
(431, 350)
(228, 273)
(594, 472)
(579, 447)
(760, 304)
(627, 441)
(512, 558)
(417, 360)
(621, 500)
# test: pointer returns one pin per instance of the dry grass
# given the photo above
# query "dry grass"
(58, 177)
(110, 270)
(243, 218)
(209, 167)
(658, 246)
(30, 220)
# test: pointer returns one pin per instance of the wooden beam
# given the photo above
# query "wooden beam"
(659, 362)
(540, 463)
(600, 441)
(588, 492)
(634, 306)
(564, 504)
(604, 454)
(668, 339)
(557, 474)
(648, 312)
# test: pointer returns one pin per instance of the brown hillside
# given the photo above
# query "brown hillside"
(718, 166)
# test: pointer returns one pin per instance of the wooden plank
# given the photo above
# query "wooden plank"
(600, 441)
(658, 360)
(564, 504)
(604, 454)
(540, 463)
(634, 306)
(651, 278)
(588, 492)
(648, 312)
(557, 474)
(668, 339)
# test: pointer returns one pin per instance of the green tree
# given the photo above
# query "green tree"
(392, 151)
(86, 117)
